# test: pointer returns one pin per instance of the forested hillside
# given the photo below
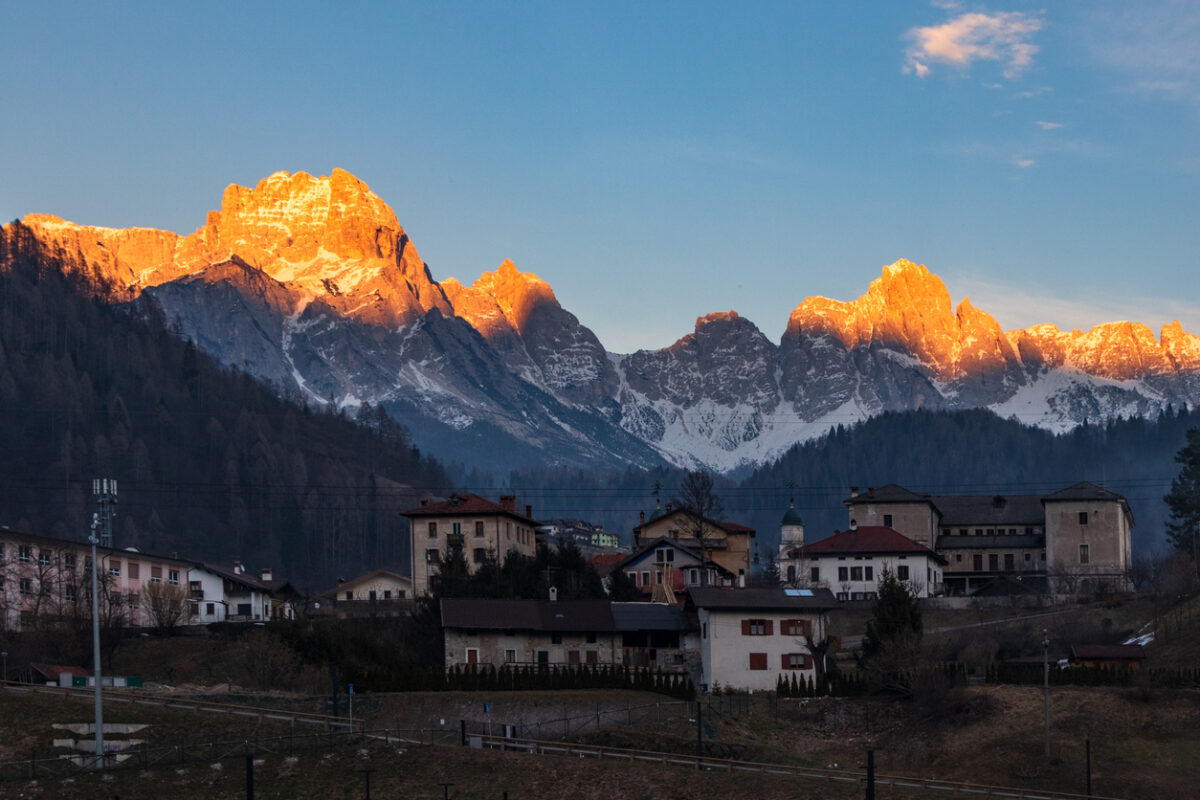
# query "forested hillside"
(211, 463)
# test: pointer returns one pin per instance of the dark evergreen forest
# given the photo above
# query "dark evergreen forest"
(211, 463)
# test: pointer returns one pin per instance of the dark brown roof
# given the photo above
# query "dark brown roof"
(728, 527)
(1016, 510)
(769, 599)
(243, 578)
(1108, 652)
(465, 505)
(527, 615)
(1083, 491)
(363, 578)
(605, 562)
(892, 493)
(873, 539)
(994, 542)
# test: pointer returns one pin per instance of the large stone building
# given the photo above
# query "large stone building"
(852, 563)
(477, 525)
(1075, 539)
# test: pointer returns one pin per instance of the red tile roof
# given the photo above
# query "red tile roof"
(866, 539)
(462, 505)
(605, 562)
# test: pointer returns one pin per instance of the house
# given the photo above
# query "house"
(510, 633)
(590, 539)
(1073, 539)
(377, 593)
(664, 569)
(658, 636)
(47, 580)
(1110, 656)
(729, 544)
(749, 637)
(231, 594)
(478, 526)
(852, 563)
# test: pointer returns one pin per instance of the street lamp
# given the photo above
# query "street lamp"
(4, 655)
(1046, 686)
(96, 643)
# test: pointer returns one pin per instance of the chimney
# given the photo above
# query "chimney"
(424, 502)
(854, 491)
(175, 555)
(668, 508)
(238, 569)
(529, 511)
(264, 574)
(853, 524)
(508, 502)
(553, 594)
(870, 491)
(641, 518)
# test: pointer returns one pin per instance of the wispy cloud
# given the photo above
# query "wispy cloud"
(1156, 47)
(1038, 92)
(1023, 163)
(1004, 37)
(1048, 126)
(1029, 305)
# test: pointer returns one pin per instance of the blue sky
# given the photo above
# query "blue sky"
(655, 161)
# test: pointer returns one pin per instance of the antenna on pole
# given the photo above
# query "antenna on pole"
(105, 492)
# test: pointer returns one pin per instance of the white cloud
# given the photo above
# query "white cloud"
(1048, 126)
(1154, 46)
(946, 5)
(1024, 163)
(1003, 36)
(1038, 92)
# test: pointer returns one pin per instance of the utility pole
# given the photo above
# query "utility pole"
(105, 492)
(96, 645)
(1046, 686)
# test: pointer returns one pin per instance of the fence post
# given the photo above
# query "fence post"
(249, 776)
(870, 775)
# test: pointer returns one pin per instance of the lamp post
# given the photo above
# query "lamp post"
(96, 643)
(1046, 686)
(4, 655)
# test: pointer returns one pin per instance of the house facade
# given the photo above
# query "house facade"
(664, 569)
(48, 580)
(852, 563)
(749, 637)
(378, 593)
(232, 594)
(1074, 539)
(729, 544)
(478, 526)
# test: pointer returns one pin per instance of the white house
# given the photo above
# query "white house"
(852, 563)
(749, 637)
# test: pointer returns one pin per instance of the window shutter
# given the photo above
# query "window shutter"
(783, 659)
(769, 629)
(806, 626)
(805, 661)
(745, 627)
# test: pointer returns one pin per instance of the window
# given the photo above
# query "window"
(1009, 566)
(349, 596)
(510, 656)
(1083, 518)
(372, 596)
(155, 574)
(43, 558)
(114, 568)
(962, 531)
(1029, 531)
(704, 631)
(887, 520)
(479, 555)
(433, 556)
(543, 656)
(869, 572)
(556, 637)
(1083, 554)
(756, 627)
(24, 554)
(632, 577)
(590, 637)
(665, 555)
(694, 577)
(68, 559)
(243, 609)
(958, 557)
(478, 529)
(210, 609)
(856, 573)
(472, 655)
(593, 657)
(814, 574)
(456, 529)
(400, 594)
(794, 627)
(992, 531)
(758, 661)
(26, 586)
(1029, 556)
(794, 661)
(132, 599)
(658, 578)
(173, 577)
(979, 531)
(69, 593)
(843, 574)
(977, 562)
(195, 588)
(902, 572)
(646, 578)
(993, 562)
(387, 594)
(134, 570)
(842, 596)
(433, 530)
(573, 658)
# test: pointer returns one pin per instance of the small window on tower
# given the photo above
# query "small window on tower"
(887, 520)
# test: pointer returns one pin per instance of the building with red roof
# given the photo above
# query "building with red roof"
(728, 544)
(851, 563)
(477, 525)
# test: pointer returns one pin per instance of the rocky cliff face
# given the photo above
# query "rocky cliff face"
(313, 284)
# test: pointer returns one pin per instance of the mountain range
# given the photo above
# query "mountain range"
(312, 283)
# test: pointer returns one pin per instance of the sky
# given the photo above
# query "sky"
(655, 162)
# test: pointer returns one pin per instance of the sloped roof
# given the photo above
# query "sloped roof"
(1017, 510)
(866, 539)
(605, 562)
(791, 516)
(762, 599)
(366, 577)
(725, 525)
(649, 617)
(528, 615)
(459, 505)
(666, 541)
(891, 493)
(1083, 491)
(244, 578)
